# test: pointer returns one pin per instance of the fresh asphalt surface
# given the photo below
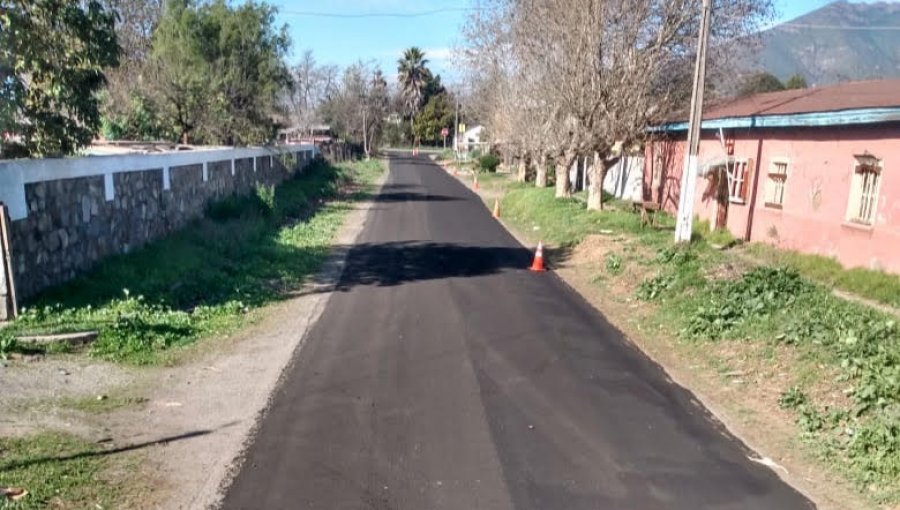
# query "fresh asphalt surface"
(444, 375)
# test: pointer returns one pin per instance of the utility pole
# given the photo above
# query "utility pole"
(456, 130)
(685, 218)
(365, 133)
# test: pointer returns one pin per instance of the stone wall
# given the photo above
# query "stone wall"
(72, 222)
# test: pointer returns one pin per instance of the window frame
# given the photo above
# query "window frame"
(858, 192)
(772, 179)
(738, 188)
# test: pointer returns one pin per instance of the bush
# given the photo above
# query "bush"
(613, 263)
(8, 344)
(488, 163)
(758, 294)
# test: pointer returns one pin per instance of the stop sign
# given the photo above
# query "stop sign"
(445, 132)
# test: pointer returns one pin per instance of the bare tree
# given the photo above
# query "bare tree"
(356, 107)
(136, 21)
(592, 74)
(313, 85)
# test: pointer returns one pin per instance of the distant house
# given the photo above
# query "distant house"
(307, 133)
(813, 170)
(471, 139)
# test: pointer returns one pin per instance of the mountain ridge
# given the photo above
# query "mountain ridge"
(841, 41)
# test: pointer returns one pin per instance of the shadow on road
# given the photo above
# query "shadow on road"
(395, 263)
(407, 193)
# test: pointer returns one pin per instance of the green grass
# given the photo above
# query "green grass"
(95, 405)
(875, 285)
(208, 278)
(566, 222)
(58, 471)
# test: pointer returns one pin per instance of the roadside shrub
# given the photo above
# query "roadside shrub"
(760, 292)
(674, 255)
(265, 198)
(653, 288)
(613, 263)
(8, 344)
(488, 163)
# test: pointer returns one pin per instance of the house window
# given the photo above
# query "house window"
(864, 186)
(738, 181)
(778, 174)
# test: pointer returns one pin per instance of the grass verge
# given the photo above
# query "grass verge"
(842, 371)
(866, 283)
(57, 470)
(208, 278)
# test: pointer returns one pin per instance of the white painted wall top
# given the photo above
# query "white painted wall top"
(15, 174)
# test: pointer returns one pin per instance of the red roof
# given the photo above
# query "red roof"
(841, 96)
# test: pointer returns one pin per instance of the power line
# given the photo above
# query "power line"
(835, 27)
(417, 14)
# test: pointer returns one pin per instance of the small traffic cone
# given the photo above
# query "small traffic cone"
(496, 208)
(538, 264)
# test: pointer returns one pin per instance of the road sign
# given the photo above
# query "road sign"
(462, 127)
(445, 132)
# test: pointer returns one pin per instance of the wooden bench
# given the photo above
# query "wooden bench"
(648, 211)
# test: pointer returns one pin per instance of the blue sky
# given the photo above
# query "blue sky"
(342, 41)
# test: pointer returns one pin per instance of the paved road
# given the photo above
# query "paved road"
(442, 375)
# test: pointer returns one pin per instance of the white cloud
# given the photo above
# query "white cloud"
(442, 55)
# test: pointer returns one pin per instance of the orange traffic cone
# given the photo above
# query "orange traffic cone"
(475, 183)
(496, 208)
(538, 264)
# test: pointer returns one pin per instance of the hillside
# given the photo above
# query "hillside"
(849, 49)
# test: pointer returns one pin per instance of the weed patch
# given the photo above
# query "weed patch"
(777, 304)
(867, 283)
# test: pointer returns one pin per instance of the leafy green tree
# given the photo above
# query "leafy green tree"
(433, 87)
(797, 81)
(52, 57)
(222, 70)
(760, 83)
(413, 76)
(184, 74)
(436, 115)
(378, 101)
(249, 73)
(140, 120)
(128, 105)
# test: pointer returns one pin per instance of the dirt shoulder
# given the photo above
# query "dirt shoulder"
(739, 382)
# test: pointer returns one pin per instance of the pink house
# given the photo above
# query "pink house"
(813, 170)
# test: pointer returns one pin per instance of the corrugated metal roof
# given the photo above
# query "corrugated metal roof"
(862, 102)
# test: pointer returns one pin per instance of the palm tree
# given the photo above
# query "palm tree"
(413, 76)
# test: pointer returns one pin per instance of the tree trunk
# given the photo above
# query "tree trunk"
(540, 180)
(562, 175)
(522, 172)
(599, 170)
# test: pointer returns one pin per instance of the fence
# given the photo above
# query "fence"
(67, 214)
